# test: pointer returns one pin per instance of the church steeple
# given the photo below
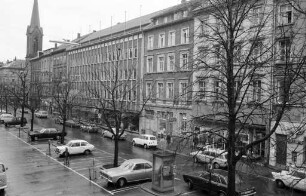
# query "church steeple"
(35, 15)
(34, 33)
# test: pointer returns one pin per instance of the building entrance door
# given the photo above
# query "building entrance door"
(281, 149)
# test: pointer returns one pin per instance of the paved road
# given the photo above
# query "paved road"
(85, 168)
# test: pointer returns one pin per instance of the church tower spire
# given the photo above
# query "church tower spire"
(34, 33)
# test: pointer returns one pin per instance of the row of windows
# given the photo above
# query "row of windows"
(171, 39)
(166, 90)
(162, 66)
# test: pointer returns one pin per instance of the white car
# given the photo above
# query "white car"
(108, 134)
(41, 114)
(295, 179)
(146, 141)
(75, 147)
(216, 157)
(3, 179)
(6, 118)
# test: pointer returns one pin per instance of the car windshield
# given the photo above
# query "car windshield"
(2, 169)
(42, 131)
(126, 165)
(69, 143)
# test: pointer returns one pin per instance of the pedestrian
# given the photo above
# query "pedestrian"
(195, 141)
(66, 157)
(168, 138)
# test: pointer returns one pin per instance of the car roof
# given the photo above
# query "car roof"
(78, 141)
(220, 172)
(139, 161)
(148, 135)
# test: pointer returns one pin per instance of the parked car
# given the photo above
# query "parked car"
(41, 114)
(295, 178)
(89, 127)
(216, 157)
(45, 133)
(3, 179)
(58, 120)
(16, 121)
(25, 110)
(72, 123)
(109, 134)
(146, 141)
(4, 112)
(6, 118)
(75, 147)
(216, 181)
(129, 171)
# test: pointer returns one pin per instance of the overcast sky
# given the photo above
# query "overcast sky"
(63, 19)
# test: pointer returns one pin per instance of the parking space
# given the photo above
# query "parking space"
(87, 166)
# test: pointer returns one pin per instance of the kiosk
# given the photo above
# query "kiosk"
(163, 172)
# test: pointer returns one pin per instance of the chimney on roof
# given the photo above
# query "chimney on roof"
(15, 58)
(79, 35)
(55, 45)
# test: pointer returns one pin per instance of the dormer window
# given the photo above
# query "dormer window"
(165, 19)
(286, 14)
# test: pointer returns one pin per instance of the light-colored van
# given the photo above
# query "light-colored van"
(3, 180)
(214, 156)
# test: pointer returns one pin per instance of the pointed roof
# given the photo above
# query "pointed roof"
(35, 15)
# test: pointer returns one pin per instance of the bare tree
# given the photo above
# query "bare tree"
(250, 68)
(115, 93)
(65, 97)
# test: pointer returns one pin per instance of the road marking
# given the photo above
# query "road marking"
(63, 165)
(188, 193)
(124, 189)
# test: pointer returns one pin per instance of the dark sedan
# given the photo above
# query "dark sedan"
(45, 133)
(72, 124)
(216, 181)
(16, 121)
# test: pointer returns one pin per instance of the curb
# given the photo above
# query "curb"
(146, 187)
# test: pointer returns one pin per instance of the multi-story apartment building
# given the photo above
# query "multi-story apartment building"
(106, 56)
(267, 39)
(167, 71)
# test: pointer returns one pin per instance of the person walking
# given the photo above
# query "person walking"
(66, 157)
(195, 142)
(168, 139)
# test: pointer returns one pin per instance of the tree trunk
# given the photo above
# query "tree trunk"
(32, 119)
(63, 131)
(116, 151)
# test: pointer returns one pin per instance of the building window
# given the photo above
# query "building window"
(294, 156)
(257, 90)
(160, 90)
(150, 65)
(161, 64)
(257, 51)
(171, 38)
(217, 90)
(150, 42)
(183, 121)
(170, 92)
(130, 53)
(183, 91)
(280, 91)
(284, 49)
(184, 61)
(185, 36)
(149, 89)
(161, 40)
(286, 14)
(171, 62)
(257, 15)
(202, 89)
(135, 53)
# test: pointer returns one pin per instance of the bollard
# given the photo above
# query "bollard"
(49, 143)
(19, 132)
(89, 174)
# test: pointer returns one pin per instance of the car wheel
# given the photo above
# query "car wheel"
(87, 152)
(216, 166)
(133, 143)
(32, 139)
(280, 184)
(190, 185)
(5, 124)
(221, 194)
(145, 146)
(121, 182)
(195, 159)
(35, 138)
